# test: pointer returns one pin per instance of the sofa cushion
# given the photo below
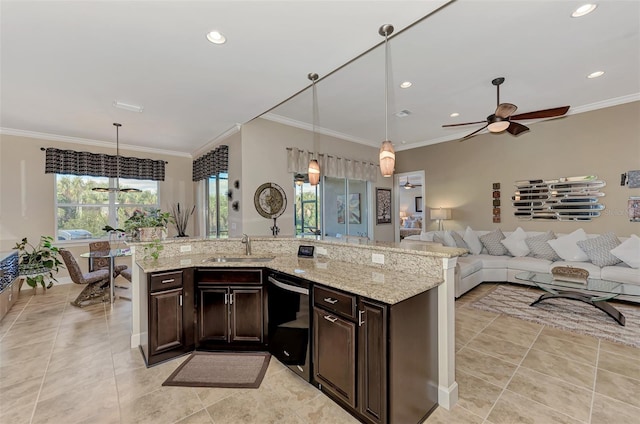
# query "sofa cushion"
(515, 243)
(491, 241)
(594, 270)
(629, 251)
(598, 249)
(469, 265)
(539, 247)
(567, 249)
(621, 273)
(528, 263)
(493, 261)
(459, 241)
(473, 241)
(438, 239)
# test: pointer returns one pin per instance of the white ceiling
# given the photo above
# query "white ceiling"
(63, 64)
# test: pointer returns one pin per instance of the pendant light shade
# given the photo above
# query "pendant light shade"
(117, 186)
(387, 154)
(314, 166)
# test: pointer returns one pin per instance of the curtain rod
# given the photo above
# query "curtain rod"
(44, 149)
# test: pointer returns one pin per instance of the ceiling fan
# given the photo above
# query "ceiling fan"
(408, 185)
(502, 119)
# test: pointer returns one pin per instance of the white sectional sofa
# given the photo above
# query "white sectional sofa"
(480, 266)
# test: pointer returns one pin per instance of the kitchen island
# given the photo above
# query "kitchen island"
(352, 268)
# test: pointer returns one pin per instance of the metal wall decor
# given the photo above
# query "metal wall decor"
(562, 199)
(270, 202)
(495, 196)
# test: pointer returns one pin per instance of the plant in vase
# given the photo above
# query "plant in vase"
(147, 225)
(181, 218)
(38, 263)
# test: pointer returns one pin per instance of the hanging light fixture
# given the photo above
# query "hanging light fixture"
(314, 166)
(117, 186)
(387, 154)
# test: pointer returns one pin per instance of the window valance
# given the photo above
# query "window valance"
(60, 161)
(332, 166)
(212, 163)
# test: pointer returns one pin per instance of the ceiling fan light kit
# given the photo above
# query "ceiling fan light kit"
(503, 118)
(387, 154)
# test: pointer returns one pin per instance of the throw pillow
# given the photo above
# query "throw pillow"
(448, 240)
(515, 243)
(540, 248)
(599, 249)
(459, 240)
(438, 239)
(473, 242)
(491, 241)
(567, 248)
(629, 251)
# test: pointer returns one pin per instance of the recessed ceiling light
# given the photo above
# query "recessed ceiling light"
(125, 106)
(406, 84)
(585, 9)
(216, 37)
(403, 113)
(595, 74)
(454, 114)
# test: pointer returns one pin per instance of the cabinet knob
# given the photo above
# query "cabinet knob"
(330, 300)
(330, 318)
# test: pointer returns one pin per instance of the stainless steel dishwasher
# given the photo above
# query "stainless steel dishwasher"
(289, 322)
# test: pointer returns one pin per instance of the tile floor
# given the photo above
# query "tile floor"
(61, 364)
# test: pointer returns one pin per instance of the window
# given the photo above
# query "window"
(82, 213)
(307, 210)
(218, 206)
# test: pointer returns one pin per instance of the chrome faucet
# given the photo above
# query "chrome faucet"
(246, 240)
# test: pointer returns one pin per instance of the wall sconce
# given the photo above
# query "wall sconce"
(440, 214)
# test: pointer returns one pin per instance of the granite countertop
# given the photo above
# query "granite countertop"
(375, 283)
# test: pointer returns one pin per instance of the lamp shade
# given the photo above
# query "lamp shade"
(387, 159)
(441, 213)
(314, 172)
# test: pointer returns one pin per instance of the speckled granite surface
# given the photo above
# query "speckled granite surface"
(344, 266)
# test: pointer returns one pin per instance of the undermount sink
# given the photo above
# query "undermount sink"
(239, 259)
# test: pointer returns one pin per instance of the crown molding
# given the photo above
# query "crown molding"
(217, 140)
(89, 142)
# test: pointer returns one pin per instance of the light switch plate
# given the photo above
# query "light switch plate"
(321, 250)
(185, 248)
(377, 258)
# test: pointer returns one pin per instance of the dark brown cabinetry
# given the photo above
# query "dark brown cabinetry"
(378, 361)
(230, 308)
(170, 316)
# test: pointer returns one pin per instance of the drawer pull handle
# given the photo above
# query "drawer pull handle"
(330, 318)
(329, 300)
(171, 280)
(226, 299)
(300, 368)
(360, 320)
(285, 353)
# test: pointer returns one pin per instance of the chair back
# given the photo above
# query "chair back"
(72, 266)
(99, 263)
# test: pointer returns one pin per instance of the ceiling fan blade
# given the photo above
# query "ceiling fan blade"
(546, 113)
(473, 133)
(504, 110)
(466, 123)
(515, 128)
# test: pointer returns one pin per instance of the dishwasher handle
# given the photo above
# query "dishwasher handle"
(288, 287)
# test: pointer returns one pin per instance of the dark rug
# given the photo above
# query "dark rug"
(221, 369)
(564, 314)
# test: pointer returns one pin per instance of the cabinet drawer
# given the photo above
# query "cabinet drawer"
(332, 300)
(230, 276)
(165, 280)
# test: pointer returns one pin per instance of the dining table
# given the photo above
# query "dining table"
(112, 255)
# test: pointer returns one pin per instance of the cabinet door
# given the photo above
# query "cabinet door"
(213, 314)
(372, 361)
(334, 340)
(246, 314)
(165, 327)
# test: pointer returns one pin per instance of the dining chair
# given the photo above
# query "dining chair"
(97, 282)
(103, 263)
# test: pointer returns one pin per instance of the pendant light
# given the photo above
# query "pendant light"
(387, 154)
(117, 187)
(314, 166)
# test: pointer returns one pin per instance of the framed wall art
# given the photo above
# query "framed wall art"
(383, 206)
(419, 204)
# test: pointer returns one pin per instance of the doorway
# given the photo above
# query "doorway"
(409, 204)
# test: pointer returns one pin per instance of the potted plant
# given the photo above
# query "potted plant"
(181, 218)
(145, 226)
(38, 263)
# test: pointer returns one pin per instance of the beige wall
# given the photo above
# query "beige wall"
(264, 159)
(27, 193)
(459, 175)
